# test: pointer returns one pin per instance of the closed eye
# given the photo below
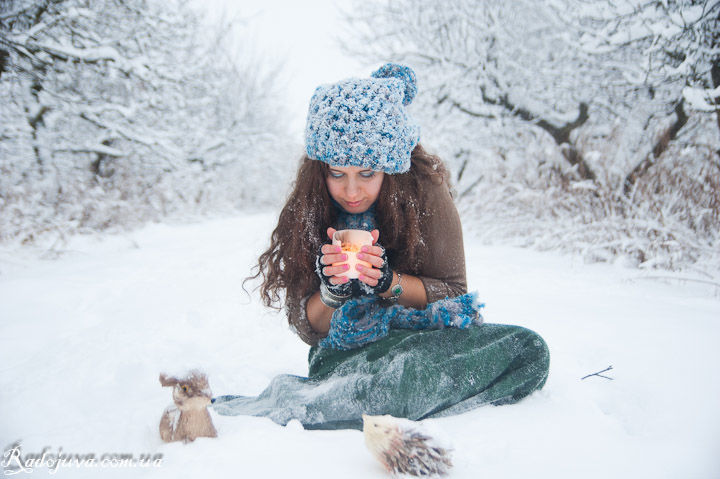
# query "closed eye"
(363, 174)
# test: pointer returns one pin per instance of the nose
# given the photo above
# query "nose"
(353, 189)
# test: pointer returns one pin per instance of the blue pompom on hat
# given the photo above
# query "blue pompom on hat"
(363, 121)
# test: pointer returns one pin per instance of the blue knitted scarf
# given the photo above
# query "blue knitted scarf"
(355, 221)
(366, 319)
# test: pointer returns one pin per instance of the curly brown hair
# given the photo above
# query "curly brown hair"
(289, 263)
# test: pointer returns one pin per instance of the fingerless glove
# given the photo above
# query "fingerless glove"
(332, 295)
(385, 280)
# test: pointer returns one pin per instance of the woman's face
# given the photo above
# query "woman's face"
(354, 187)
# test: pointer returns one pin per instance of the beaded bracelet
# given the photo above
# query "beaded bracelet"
(330, 299)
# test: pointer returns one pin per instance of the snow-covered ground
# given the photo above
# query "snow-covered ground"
(84, 336)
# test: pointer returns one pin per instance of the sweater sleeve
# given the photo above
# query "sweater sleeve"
(443, 273)
(299, 323)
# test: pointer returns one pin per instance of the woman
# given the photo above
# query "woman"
(404, 338)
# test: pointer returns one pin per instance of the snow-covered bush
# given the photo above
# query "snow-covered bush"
(118, 112)
(567, 122)
(671, 221)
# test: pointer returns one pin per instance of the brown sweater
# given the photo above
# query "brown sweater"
(442, 262)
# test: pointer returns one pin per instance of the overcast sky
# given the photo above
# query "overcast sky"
(303, 33)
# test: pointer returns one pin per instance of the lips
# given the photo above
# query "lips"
(353, 204)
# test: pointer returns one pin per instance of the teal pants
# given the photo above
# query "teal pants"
(411, 374)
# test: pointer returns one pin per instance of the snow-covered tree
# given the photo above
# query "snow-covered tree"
(120, 111)
(669, 48)
(491, 68)
(550, 65)
(555, 127)
(675, 43)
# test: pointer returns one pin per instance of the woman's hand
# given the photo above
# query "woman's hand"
(334, 289)
(375, 255)
(330, 254)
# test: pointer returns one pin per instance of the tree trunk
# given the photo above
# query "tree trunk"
(715, 74)
(101, 166)
(561, 135)
(4, 56)
(658, 149)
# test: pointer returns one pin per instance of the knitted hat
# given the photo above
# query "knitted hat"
(363, 121)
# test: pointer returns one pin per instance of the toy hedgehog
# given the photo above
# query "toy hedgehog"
(402, 447)
(189, 418)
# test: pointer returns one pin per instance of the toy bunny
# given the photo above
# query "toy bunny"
(189, 418)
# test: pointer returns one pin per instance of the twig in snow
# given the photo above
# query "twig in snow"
(599, 374)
